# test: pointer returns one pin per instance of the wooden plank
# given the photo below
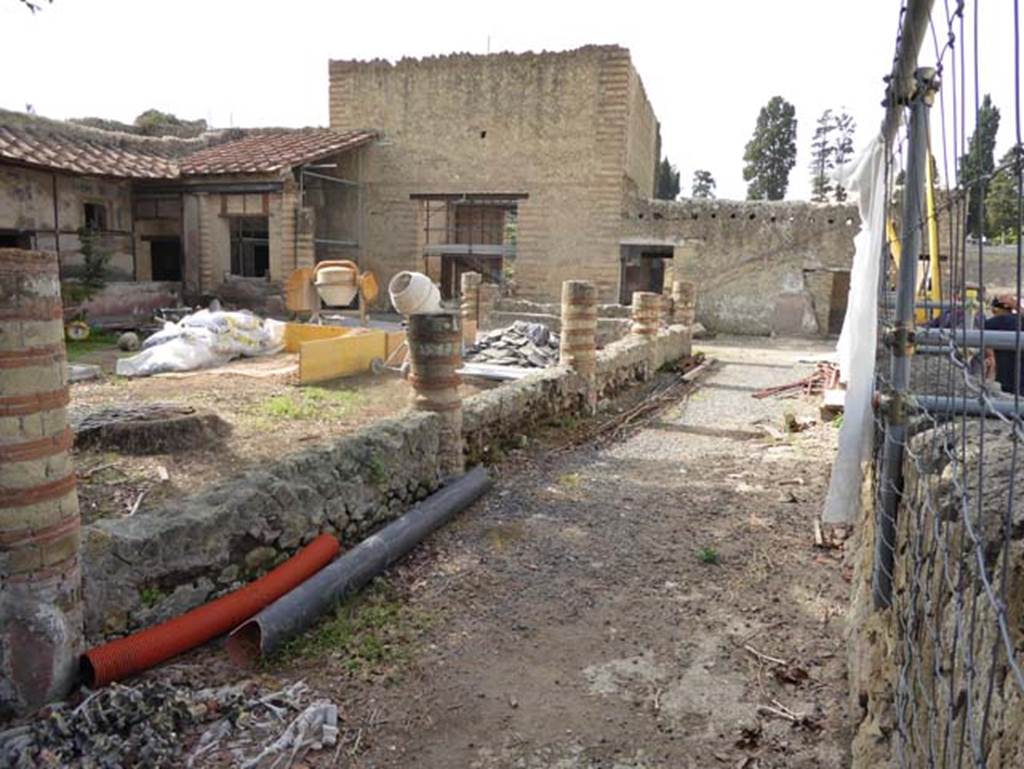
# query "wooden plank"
(324, 359)
(295, 334)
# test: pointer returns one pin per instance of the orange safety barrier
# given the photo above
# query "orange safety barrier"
(146, 648)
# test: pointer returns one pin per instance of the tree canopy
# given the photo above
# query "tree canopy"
(667, 187)
(978, 164)
(703, 184)
(771, 152)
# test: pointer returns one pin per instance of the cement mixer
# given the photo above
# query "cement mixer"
(413, 293)
(333, 283)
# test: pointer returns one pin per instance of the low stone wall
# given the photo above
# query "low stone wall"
(909, 663)
(127, 303)
(152, 566)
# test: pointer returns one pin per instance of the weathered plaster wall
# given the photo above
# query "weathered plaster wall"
(26, 203)
(572, 130)
(239, 527)
(760, 267)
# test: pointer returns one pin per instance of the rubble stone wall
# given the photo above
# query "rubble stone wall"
(918, 645)
(154, 565)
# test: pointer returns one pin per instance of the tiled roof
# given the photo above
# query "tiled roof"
(82, 153)
(269, 151)
(58, 146)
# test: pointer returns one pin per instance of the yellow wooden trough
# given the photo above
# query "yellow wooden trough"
(331, 352)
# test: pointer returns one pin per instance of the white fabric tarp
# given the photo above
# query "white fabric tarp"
(202, 340)
(865, 179)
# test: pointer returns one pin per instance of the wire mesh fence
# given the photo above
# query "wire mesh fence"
(948, 480)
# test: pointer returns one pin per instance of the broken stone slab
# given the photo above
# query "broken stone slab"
(84, 372)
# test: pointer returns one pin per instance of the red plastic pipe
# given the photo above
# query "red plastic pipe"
(141, 651)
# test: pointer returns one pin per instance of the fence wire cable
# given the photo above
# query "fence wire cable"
(959, 531)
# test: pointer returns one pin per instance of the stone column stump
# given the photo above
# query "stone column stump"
(435, 353)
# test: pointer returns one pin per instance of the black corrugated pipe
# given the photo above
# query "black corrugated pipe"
(297, 610)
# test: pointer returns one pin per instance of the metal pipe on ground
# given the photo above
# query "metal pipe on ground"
(300, 608)
(40, 578)
(140, 651)
(944, 337)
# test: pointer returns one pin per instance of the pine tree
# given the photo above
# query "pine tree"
(977, 165)
(842, 147)
(822, 158)
(771, 152)
(668, 181)
(1003, 198)
(703, 184)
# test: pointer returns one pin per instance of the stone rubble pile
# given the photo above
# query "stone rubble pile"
(123, 726)
(529, 345)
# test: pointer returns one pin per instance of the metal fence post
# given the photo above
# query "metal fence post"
(900, 338)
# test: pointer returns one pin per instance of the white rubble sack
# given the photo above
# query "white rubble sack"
(202, 340)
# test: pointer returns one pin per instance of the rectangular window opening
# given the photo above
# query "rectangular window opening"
(94, 216)
(250, 246)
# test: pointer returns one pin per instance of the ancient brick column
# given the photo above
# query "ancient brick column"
(684, 301)
(646, 313)
(489, 294)
(578, 348)
(470, 284)
(435, 352)
(40, 581)
(668, 310)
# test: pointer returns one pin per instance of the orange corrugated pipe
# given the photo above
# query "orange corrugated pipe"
(141, 651)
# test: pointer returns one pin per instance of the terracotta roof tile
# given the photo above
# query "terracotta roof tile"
(269, 151)
(78, 154)
(60, 146)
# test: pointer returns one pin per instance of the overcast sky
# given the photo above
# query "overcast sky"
(708, 67)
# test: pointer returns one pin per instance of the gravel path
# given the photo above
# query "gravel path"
(604, 606)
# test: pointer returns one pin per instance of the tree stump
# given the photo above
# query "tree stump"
(150, 428)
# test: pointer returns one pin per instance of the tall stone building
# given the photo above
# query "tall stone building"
(510, 164)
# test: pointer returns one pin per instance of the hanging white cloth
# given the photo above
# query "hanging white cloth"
(865, 179)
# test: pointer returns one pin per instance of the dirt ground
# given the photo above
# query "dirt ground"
(653, 602)
(270, 416)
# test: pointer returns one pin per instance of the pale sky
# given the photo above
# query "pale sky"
(708, 67)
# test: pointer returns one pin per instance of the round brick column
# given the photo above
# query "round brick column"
(435, 352)
(646, 313)
(578, 345)
(40, 580)
(470, 306)
(684, 301)
(578, 348)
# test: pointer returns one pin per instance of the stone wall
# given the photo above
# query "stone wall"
(151, 566)
(940, 644)
(26, 205)
(760, 267)
(571, 130)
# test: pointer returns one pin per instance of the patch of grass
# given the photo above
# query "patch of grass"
(838, 421)
(370, 635)
(571, 480)
(310, 403)
(708, 555)
(150, 596)
(568, 422)
(97, 341)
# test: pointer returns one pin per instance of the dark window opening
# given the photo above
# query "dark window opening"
(642, 268)
(483, 134)
(94, 216)
(165, 259)
(15, 239)
(250, 246)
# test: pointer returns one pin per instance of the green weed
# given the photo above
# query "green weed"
(708, 555)
(369, 635)
(571, 480)
(310, 403)
(150, 596)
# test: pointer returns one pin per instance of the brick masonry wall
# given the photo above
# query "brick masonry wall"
(203, 545)
(554, 126)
